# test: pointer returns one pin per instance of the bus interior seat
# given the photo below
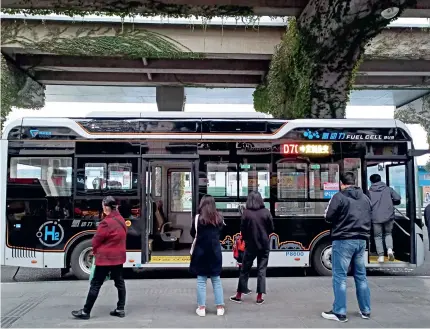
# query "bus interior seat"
(165, 230)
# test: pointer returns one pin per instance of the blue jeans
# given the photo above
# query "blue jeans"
(345, 253)
(201, 290)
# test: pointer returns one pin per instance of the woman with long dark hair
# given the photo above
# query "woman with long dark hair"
(256, 226)
(206, 257)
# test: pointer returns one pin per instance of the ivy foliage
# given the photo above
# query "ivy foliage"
(93, 41)
(18, 90)
(285, 92)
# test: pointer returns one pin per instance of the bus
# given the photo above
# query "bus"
(56, 172)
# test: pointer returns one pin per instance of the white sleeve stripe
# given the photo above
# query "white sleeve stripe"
(326, 209)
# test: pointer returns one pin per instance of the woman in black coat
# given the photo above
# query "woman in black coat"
(206, 257)
(256, 226)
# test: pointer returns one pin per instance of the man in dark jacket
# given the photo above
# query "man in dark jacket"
(349, 211)
(427, 220)
(383, 199)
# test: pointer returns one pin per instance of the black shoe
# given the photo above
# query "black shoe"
(365, 315)
(333, 316)
(260, 301)
(247, 292)
(235, 299)
(118, 313)
(81, 315)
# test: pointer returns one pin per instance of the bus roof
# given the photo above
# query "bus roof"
(82, 126)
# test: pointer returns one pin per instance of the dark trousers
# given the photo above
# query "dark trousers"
(262, 260)
(100, 274)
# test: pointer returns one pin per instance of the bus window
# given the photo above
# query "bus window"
(180, 191)
(95, 176)
(397, 181)
(323, 180)
(222, 179)
(354, 165)
(292, 180)
(120, 176)
(54, 174)
(158, 182)
(393, 174)
(254, 177)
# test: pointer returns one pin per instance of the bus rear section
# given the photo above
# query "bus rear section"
(58, 171)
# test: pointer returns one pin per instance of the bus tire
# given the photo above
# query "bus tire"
(80, 260)
(321, 258)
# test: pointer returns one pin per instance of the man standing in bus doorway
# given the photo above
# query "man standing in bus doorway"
(350, 214)
(383, 199)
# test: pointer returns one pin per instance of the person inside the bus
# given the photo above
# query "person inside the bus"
(256, 226)
(206, 256)
(383, 198)
(109, 249)
(350, 214)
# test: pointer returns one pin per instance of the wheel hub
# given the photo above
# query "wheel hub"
(326, 258)
(86, 259)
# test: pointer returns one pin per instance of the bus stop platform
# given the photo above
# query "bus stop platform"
(290, 302)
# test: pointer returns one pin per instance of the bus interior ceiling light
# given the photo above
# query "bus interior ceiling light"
(390, 13)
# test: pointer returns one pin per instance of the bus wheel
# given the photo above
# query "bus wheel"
(321, 259)
(81, 259)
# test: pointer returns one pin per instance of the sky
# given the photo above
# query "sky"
(79, 109)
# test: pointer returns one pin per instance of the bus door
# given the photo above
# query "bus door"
(169, 202)
(395, 174)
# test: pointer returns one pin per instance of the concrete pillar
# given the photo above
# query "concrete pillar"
(170, 98)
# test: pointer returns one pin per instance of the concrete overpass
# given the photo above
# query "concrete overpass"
(256, 7)
(221, 56)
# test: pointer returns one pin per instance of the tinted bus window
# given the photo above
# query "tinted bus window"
(54, 174)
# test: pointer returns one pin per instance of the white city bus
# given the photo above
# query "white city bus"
(55, 172)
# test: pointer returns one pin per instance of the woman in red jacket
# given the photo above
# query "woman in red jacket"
(109, 250)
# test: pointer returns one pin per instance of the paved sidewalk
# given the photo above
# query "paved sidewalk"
(291, 302)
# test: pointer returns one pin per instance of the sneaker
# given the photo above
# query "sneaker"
(365, 315)
(201, 311)
(220, 311)
(381, 259)
(118, 313)
(390, 255)
(332, 316)
(247, 292)
(260, 301)
(81, 315)
(235, 299)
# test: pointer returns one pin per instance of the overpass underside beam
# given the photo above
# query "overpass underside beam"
(203, 8)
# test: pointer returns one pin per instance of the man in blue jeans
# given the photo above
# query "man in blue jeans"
(350, 213)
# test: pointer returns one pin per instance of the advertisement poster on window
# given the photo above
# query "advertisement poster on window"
(426, 196)
(330, 189)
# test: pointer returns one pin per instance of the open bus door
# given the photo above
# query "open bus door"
(158, 173)
(395, 174)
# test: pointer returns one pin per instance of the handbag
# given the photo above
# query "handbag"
(93, 269)
(193, 245)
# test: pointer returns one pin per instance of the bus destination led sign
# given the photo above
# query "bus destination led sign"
(296, 149)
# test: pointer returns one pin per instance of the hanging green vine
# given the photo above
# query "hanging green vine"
(93, 41)
(18, 90)
(285, 91)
